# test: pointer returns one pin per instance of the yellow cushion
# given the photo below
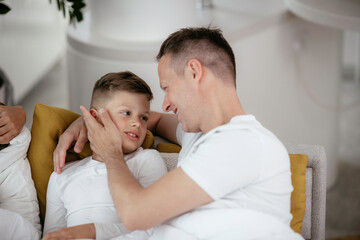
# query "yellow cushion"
(168, 148)
(48, 124)
(298, 163)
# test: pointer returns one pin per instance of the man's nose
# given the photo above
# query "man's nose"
(166, 107)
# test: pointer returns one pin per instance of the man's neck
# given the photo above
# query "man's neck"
(222, 108)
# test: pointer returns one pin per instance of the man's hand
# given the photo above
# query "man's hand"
(12, 120)
(81, 231)
(105, 140)
(76, 132)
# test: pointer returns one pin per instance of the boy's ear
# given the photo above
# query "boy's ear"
(93, 112)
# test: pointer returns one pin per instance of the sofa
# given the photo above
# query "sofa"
(308, 167)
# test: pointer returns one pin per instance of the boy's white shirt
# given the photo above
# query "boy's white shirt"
(17, 190)
(80, 194)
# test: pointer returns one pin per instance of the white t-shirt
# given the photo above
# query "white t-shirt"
(246, 170)
(80, 194)
(17, 190)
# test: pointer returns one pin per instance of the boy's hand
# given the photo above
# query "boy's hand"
(87, 231)
(12, 120)
(105, 140)
(76, 132)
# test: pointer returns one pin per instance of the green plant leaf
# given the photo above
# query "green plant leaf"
(79, 16)
(78, 5)
(63, 9)
(4, 8)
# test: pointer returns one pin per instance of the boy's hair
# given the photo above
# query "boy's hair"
(2, 146)
(115, 82)
(204, 44)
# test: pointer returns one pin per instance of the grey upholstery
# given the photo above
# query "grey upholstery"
(314, 219)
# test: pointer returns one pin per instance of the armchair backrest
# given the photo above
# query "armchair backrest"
(314, 220)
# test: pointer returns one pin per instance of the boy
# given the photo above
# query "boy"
(80, 195)
(19, 209)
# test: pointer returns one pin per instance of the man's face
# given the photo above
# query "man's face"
(178, 95)
(130, 112)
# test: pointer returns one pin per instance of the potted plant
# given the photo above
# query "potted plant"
(74, 9)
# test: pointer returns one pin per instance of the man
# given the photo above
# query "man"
(233, 178)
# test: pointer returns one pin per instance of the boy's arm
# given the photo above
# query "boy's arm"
(77, 133)
(12, 120)
(164, 125)
(161, 124)
(55, 210)
(85, 231)
(89, 231)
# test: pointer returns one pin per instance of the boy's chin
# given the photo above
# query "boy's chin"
(127, 150)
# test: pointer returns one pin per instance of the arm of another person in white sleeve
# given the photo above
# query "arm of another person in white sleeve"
(55, 210)
(16, 150)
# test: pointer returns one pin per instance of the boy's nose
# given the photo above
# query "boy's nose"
(135, 122)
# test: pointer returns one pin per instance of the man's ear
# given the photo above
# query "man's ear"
(195, 69)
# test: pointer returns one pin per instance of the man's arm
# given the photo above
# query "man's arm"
(12, 120)
(164, 125)
(138, 207)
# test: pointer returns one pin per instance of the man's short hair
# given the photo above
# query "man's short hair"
(205, 44)
(115, 82)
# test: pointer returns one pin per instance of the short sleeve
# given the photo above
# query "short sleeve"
(224, 162)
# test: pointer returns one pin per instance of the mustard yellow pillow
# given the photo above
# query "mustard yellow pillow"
(168, 148)
(48, 124)
(298, 163)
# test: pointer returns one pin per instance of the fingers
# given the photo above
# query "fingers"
(105, 118)
(82, 140)
(12, 120)
(65, 141)
(7, 134)
(88, 118)
(75, 132)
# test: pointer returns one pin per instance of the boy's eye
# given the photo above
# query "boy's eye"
(145, 118)
(127, 113)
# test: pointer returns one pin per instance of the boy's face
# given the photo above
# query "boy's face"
(130, 112)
